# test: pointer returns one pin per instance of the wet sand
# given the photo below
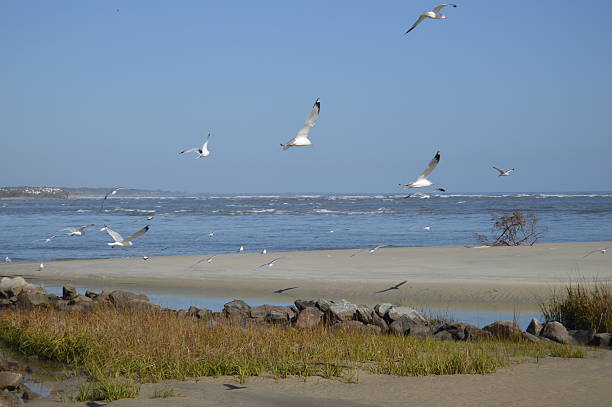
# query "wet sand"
(454, 276)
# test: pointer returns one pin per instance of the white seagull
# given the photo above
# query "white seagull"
(78, 231)
(7, 259)
(264, 251)
(202, 151)
(427, 228)
(270, 263)
(302, 137)
(123, 242)
(503, 173)
(46, 239)
(435, 14)
(111, 193)
(372, 250)
(422, 180)
(602, 251)
(42, 266)
(241, 249)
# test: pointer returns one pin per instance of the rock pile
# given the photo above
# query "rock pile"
(12, 389)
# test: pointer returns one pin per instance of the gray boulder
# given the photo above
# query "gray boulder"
(90, 294)
(526, 336)
(380, 322)
(324, 305)
(69, 292)
(602, 339)
(236, 309)
(354, 326)
(309, 318)
(302, 304)
(10, 380)
(404, 325)
(556, 332)
(504, 330)
(11, 287)
(381, 309)
(462, 331)
(421, 331)
(5, 302)
(394, 313)
(443, 336)
(364, 314)
(342, 311)
(535, 327)
(32, 298)
(582, 336)
(126, 298)
(273, 314)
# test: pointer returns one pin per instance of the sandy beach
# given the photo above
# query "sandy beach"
(453, 276)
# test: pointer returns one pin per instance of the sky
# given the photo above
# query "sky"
(107, 93)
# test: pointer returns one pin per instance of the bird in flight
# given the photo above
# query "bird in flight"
(302, 137)
(427, 228)
(602, 251)
(270, 263)
(47, 239)
(440, 190)
(503, 173)
(422, 180)
(121, 241)
(202, 151)
(111, 193)
(372, 250)
(282, 290)
(434, 14)
(78, 231)
(394, 287)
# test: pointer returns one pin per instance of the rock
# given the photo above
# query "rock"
(181, 314)
(324, 305)
(31, 298)
(462, 331)
(342, 311)
(11, 287)
(52, 299)
(443, 335)
(236, 309)
(10, 380)
(381, 309)
(302, 304)
(354, 326)
(103, 296)
(5, 302)
(535, 327)
(192, 311)
(582, 336)
(402, 325)
(380, 322)
(309, 318)
(273, 314)
(69, 292)
(421, 331)
(602, 339)
(529, 337)
(504, 330)
(90, 294)
(28, 394)
(9, 400)
(204, 313)
(364, 314)
(555, 331)
(394, 313)
(80, 299)
(126, 298)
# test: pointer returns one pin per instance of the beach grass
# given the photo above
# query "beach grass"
(149, 346)
(581, 305)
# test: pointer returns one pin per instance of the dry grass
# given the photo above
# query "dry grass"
(582, 305)
(154, 345)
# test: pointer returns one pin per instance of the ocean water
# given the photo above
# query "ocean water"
(286, 222)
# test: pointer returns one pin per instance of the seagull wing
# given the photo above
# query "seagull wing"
(401, 284)
(116, 236)
(417, 22)
(431, 166)
(311, 120)
(191, 150)
(137, 234)
(441, 6)
(71, 230)
(205, 145)
(82, 228)
(499, 169)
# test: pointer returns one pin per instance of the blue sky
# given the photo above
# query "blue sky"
(92, 96)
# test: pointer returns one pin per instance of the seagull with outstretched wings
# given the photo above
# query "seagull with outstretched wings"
(302, 137)
(422, 180)
(434, 14)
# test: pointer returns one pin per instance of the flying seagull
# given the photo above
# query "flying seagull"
(78, 231)
(435, 14)
(270, 263)
(427, 228)
(602, 251)
(503, 173)
(202, 152)
(282, 290)
(422, 180)
(46, 239)
(372, 250)
(394, 287)
(302, 137)
(440, 189)
(111, 193)
(123, 242)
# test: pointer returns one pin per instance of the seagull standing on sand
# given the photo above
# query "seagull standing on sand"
(503, 173)
(241, 249)
(123, 242)
(422, 180)
(78, 231)
(202, 152)
(264, 251)
(42, 266)
(270, 263)
(7, 259)
(302, 137)
(435, 14)
(372, 250)
(602, 251)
